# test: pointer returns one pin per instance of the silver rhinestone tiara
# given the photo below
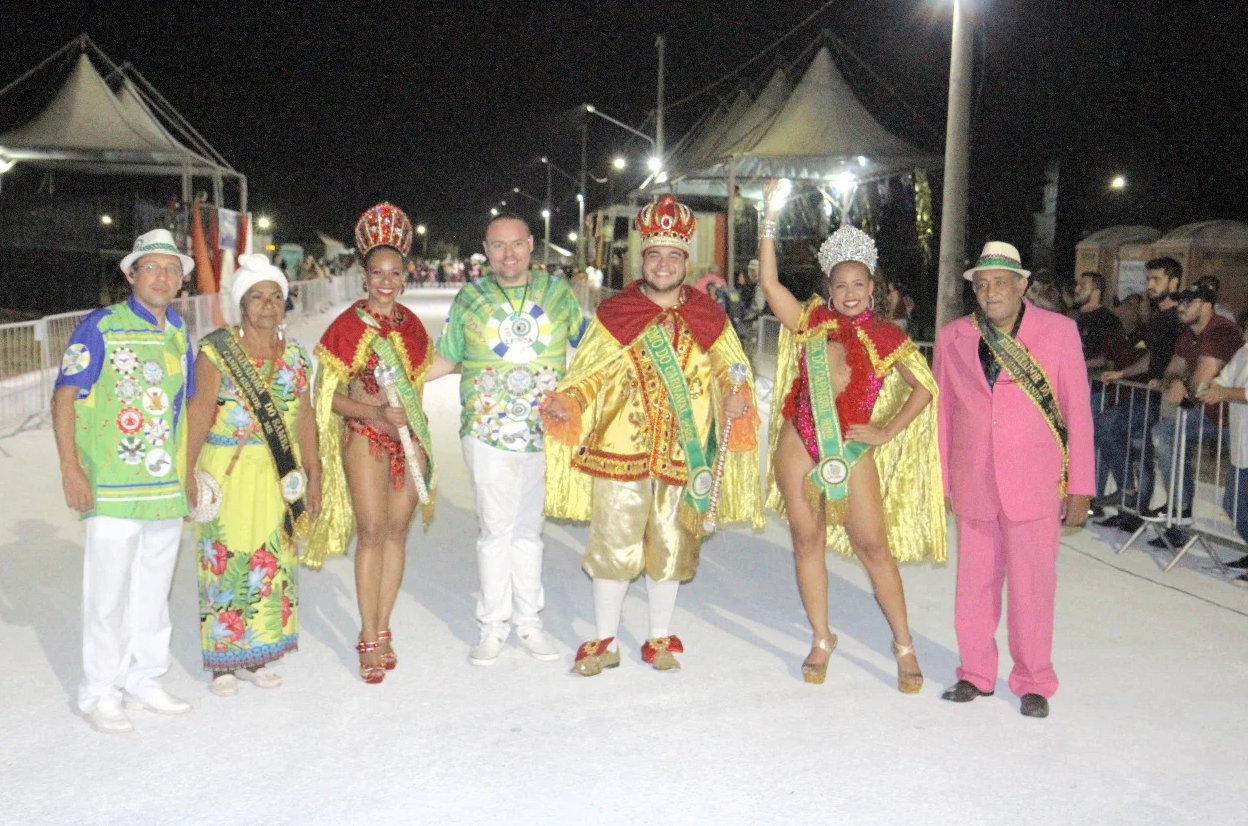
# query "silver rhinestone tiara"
(847, 244)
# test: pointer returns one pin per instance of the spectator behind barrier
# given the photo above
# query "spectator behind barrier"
(1229, 387)
(1097, 324)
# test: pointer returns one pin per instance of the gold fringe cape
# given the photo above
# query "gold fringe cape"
(909, 464)
(569, 491)
(333, 528)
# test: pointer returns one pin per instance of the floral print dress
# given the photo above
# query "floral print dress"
(248, 583)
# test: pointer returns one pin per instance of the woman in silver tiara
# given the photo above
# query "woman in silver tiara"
(854, 459)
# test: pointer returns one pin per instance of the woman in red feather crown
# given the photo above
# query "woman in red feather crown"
(367, 484)
(854, 460)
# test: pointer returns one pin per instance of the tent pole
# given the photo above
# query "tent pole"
(957, 171)
(242, 193)
(731, 257)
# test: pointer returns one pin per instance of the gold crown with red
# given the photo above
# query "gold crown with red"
(384, 225)
(665, 223)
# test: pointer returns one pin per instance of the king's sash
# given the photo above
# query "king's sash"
(1030, 376)
(697, 493)
(831, 475)
(276, 434)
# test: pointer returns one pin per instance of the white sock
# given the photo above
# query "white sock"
(608, 603)
(662, 597)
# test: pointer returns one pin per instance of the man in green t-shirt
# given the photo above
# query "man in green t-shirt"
(510, 332)
(118, 413)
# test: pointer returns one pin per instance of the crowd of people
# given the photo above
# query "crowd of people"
(641, 421)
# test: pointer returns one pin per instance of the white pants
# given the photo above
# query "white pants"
(126, 574)
(510, 489)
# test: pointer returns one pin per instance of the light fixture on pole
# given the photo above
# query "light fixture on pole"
(263, 222)
(1119, 182)
(581, 183)
(655, 163)
(106, 220)
(494, 211)
(620, 163)
(423, 232)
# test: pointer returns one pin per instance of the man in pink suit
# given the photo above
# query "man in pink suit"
(1016, 447)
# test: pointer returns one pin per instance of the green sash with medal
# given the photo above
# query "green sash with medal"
(416, 421)
(1030, 376)
(697, 495)
(831, 476)
(277, 435)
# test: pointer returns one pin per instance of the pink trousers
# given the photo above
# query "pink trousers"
(1024, 555)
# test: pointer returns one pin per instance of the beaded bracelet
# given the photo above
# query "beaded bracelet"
(770, 229)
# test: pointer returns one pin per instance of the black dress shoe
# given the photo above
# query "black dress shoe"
(1034, 705)
(1240, 563)
(1114, 521)
(1175, 537)
(963, 692)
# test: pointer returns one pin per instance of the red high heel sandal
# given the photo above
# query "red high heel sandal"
(370, 674)
(388, 659)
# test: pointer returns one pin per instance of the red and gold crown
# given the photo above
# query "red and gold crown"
(384, 225)
(665, 223)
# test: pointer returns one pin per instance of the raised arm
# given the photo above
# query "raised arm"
(785, 307)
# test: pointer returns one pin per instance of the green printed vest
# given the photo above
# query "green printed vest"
(130, 437)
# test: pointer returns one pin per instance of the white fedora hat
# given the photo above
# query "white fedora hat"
(157, 240)
(998, 255)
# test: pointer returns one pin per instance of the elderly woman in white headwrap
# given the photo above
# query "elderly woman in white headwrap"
(252, 440)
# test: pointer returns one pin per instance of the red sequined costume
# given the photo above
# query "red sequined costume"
(869, 341)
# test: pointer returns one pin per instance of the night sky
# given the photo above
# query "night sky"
(443, 107)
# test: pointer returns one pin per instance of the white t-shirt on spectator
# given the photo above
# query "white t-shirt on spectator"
(1235, 374)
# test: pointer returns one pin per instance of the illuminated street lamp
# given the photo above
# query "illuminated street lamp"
(1119, 182)
(572, 236)
(263, 222)
(106, 220)
(494, 211)
(423, 232)
(620, 163)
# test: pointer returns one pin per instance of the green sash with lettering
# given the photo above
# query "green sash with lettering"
(1030, 376)
(697, 496)
(276, 434)
(830, 476)
(416, 421)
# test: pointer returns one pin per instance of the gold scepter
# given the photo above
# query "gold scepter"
(737, 374)
(386, 377)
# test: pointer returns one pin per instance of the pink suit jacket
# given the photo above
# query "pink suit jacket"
(995, 447)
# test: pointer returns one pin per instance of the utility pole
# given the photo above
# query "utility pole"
(546, 213)
(580, 228)
(957, 171)
(661, 45)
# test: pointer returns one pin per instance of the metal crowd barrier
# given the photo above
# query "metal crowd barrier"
(31, 351)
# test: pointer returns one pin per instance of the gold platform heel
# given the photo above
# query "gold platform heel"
(907, 682)
(816, 674)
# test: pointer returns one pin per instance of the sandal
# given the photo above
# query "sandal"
(371, 674)
(225, 685)
(261, 677)
(907, 682)
(388, 659)
(816, 673)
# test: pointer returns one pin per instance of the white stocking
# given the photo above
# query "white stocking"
(662, 597)
(608, 603)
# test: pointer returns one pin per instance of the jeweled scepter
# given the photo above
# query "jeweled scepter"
(386, 377)
(737, 374)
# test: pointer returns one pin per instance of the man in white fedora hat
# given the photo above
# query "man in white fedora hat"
(1016, 447)
(118, 416)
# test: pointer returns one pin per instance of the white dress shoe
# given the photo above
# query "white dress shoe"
(159, 701)
(261, 677)
(538, 644)
(225, 685)
(108, 717)
(486, 652)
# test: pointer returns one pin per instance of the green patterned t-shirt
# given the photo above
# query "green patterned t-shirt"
(512, 343)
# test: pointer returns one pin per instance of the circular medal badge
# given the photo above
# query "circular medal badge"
(130, 449)
(518, 410)
(514, 435)
(124, 360)
(155, 401)
(156, 431)
(488, 383)
(153, 373)
(833, 470)
(547, 380)
(293, 485)
(129, 421)
(75, 360)
(128, 390)
(519, 381)
(701, 483)
(158, 462)
(519, 337)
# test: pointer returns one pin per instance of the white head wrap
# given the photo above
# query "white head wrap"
(253, 269)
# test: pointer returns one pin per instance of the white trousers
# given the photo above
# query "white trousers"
(127, 571)
(510, 489)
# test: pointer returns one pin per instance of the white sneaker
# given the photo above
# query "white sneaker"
(159, 701)
(486, 651)
(539, 645)
(225, 685)
(261, 677)
(108, 717)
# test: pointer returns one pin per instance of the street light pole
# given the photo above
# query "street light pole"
(957, 171)
(580, 229)
(661, 45)
(546, 215)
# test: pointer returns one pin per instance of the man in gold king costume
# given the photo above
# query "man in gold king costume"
(634, 438)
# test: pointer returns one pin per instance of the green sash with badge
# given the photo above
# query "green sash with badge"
(277, 435)
(416, 420)
(1030, 376)
(830, 476)
(697, 496)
